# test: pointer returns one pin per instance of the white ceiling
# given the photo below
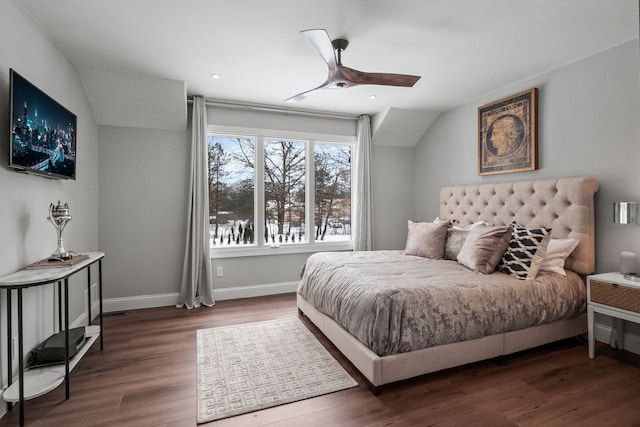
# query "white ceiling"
(463, 49)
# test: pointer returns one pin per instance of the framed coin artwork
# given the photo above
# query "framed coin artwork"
(507, 134)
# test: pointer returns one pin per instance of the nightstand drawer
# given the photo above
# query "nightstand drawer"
(615, 296)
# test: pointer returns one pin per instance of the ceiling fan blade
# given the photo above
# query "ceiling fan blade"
(299, 97)
(320, 42)
(386, 79)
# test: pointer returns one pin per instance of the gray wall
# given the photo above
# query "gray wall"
(143, 205)
(143, 194)
(588, 125)
(26, 234)
(393, 187)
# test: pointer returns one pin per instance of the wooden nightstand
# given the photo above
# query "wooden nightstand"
(615, 296)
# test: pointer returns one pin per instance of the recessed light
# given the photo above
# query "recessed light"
(372, 97)
(215, 76)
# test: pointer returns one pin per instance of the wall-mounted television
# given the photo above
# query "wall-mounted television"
(43, 132)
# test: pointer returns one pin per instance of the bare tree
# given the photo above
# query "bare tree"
(217, 161)
(284, 163)
(332, 185)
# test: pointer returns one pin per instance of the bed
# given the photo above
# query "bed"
(396, 316)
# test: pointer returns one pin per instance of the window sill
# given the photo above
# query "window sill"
(282, 249)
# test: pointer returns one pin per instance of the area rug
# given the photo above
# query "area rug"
(244, 368)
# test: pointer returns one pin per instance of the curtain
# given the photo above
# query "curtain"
(363, 233)
(197, 280)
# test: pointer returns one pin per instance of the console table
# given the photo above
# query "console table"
(39, 381)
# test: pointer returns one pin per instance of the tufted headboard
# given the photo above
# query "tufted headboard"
(563, 204)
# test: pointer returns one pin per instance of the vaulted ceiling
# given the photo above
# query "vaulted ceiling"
(131, 52)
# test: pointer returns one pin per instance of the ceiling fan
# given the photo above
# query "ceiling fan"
(341, 76)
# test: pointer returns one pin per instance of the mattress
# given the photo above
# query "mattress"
(395, 303)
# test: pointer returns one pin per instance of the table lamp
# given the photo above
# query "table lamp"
(627, 213)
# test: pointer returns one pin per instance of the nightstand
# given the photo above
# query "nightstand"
(615, 296)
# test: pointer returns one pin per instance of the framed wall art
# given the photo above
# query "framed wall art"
(507, 134)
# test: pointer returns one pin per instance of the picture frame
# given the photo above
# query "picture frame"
(508, 134)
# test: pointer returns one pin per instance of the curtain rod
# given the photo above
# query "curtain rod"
(274, 109)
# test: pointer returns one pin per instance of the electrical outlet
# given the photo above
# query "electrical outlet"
(94, 292)
(219, 272)
(85, 301)
(14, 348)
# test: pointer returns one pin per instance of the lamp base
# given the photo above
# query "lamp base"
(60, 256)
(634, 277)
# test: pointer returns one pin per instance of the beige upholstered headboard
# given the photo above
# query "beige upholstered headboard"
(563, 204)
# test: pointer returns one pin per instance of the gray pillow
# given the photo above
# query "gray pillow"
(484, 247)
(426, 239)
(455, 240)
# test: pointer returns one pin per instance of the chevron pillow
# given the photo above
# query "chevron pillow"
(525, 252)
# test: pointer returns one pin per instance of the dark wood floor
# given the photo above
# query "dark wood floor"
(146, 376)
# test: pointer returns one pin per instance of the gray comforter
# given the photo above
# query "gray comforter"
(394, 303)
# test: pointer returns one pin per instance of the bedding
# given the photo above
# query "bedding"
(395, 303)
(396, 316)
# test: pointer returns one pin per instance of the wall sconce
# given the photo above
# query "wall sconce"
(627, 213)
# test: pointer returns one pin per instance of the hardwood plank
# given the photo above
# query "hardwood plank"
(146, 376)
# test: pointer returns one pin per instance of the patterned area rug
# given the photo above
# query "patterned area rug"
(244, 368)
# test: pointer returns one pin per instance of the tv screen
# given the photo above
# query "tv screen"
(43, 132)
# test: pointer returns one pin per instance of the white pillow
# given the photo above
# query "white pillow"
(557, 251)
(472, 226)
(466, 227)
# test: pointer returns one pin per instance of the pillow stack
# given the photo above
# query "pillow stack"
(483, 248)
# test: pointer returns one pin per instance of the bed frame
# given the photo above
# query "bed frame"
(564, 204)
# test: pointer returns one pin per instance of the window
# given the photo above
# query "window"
(332, 202)
(231, 191)
(269, 192)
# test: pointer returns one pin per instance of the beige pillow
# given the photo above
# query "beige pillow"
(484, 247)
(426, 239)
(456, 237)
(557, 252)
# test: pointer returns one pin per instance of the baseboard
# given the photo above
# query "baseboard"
(141, 301)
(254, 290)
(631, 341)
(602, 332)
(169, 299)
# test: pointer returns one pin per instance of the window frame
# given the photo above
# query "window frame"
(261, 248)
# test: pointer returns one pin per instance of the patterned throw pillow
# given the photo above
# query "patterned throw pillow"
(525, 252)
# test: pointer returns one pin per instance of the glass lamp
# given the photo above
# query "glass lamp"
(627, 213)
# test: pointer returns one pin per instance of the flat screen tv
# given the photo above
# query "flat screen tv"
(43, 132)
